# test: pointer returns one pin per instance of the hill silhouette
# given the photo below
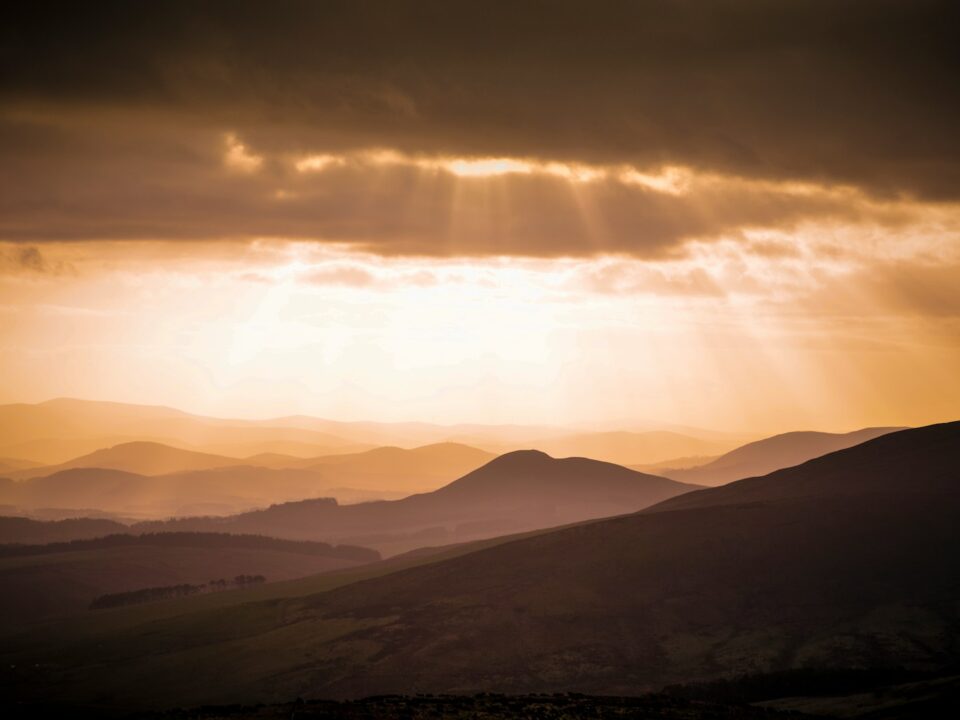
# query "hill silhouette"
(847, 561)
(520, 491)
(772, 453)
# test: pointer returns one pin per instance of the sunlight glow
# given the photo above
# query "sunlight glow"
(238, 157)
(314, 163)
(713, 337)
(487, 167)
(672, 180)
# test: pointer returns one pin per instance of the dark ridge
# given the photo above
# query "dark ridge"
(915, 460)
(29, 531)
(200, 540)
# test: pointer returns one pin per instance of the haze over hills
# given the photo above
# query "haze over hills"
(852, 567)
(56, 431)
(143, 458)
(519, 491)
(45, 431)
(634, 448)
(772, 453)
(415, 469)
(182, 482)
(217, 491)
(79, 422)
(8, 465)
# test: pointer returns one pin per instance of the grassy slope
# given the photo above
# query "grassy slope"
(129, 625)
(43, 586)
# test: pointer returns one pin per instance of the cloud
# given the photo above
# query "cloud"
(562, 129)
(834, 92)
(29, 260)
(913, 288)
(633, 279)
(339, 274)
(103, 178)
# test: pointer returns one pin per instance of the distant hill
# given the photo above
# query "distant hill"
(217, 491)
(288, 450)
(54, 431)
(633, 448)
(847, 561)
(46, 581)
(773, 453)
(57, 430)
(25, 530)
(8, 465)
(392, 468)
(143, 458)
(674, 464)
(516, 492)
(118, 479)
(416, 469)
(906, 462)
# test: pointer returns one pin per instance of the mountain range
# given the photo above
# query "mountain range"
(519, 491)
(846, 561)
(146, 479)
(56, 431)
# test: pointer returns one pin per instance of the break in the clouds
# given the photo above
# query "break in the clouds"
(474, 129)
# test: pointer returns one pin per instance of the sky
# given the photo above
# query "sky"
(740, 215)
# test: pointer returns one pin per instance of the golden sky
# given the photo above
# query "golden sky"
(362, 211)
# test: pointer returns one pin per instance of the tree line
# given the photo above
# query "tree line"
(169, 592)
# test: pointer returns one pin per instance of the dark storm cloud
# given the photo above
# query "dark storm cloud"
(105, 182)
(113, 113)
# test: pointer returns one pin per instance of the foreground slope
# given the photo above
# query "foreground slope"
(773, 453)
(863, 575)
(64, 578)
(523, 490)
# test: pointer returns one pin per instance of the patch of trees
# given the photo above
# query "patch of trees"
(170, 592)
(205, 540)
(802, 681)
(567, 706)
